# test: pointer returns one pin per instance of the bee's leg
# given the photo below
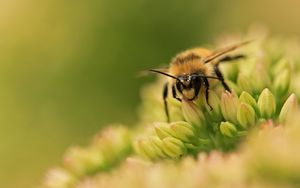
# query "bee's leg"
(221, 78)
(226, 59)
(206, 83)
(174, 93)
(232, 58)
(165, 95)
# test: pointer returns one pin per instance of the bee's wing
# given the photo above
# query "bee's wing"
(223, 51)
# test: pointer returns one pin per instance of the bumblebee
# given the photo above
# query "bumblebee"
(193, 70)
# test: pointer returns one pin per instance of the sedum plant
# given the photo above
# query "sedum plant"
(250, 138)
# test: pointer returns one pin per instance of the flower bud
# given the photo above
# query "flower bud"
(244, 82)
(246, 115)
(230, 70)
(144, 148)
(59, 177)
(173, 147)
(137, 145)
(84, 161)
(248, 99)
(214, 102)
(228, 129)
(233, 86)
(114, 143)
(289, 108)
(260, 77)
(266, 104)
(192, 113)
(163, 130)
(183, 131)
(295, 84)
(282, 64)
(282, 82)
(229, 104)
(174, 109)
(157, 144)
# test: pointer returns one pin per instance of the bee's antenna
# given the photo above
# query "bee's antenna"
(163, 73)
(224, 51)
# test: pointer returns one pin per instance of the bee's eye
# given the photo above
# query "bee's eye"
(179, 86)
(195, 81)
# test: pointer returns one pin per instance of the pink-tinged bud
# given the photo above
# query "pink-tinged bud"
(289, 108)
(59, 177)
(84, 161)
(229, 105)
(228, 129)
(246, 115)
(192, 113)
(266, 104)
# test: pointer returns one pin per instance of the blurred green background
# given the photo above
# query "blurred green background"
(67, 68)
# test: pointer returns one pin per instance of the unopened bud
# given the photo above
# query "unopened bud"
(214, 102)
(260, 77)
(183, 131)
(248, 99)
(192, 113)
(59, 177)
(228, 129)
(229, 70)
(233, 86)
(157, 144)
(229, 105)
(173, 147)
(144, 148)
(266, 104)
(282, 64)
(163, 130)
(295, 84)
(246, 115)
(244, 82)
(84, 161)
(282, 82)
(289, 108)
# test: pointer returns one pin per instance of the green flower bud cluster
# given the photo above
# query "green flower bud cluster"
(106, 150)
(233, 117)
(262, 90)
(247, 112)
(171, 141)
(268, 159)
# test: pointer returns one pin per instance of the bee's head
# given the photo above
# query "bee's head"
(189, 85)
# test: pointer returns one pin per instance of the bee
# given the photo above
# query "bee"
(193, 70)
